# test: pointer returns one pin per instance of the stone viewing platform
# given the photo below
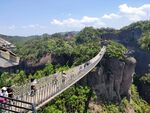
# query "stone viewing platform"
(7, 57)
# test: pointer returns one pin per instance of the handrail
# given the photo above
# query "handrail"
(14, 105)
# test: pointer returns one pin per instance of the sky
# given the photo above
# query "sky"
(35, 17)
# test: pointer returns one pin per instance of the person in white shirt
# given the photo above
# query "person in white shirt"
(4, 92)
(64, 77)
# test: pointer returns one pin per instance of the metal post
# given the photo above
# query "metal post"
(34, 109)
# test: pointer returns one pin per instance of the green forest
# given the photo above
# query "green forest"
(82, 47)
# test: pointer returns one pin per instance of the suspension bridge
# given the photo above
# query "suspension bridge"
(47, 90)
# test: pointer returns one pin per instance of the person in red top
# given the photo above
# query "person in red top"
(1, 98)
(4, 93)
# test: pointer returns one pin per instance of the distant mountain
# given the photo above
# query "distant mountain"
(65, 35)
(15, 39)
(22, 39)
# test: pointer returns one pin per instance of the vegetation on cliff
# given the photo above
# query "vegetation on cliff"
(143, 25)
(145, 41)
(116, 50)
(145, 79)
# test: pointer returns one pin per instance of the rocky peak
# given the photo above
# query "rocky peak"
(112, 79)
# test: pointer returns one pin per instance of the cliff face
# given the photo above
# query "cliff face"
(129, 38)
(111, 80)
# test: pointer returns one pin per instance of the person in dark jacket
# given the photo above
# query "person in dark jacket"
(10, 92)
(33, 87)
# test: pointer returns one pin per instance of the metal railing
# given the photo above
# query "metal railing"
(15, 106)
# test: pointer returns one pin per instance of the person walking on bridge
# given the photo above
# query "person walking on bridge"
(10, 93)
(55, 79)
(4, 93)
(33, 87)
(64, 76)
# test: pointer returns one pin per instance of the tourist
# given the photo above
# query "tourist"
(33, 87)
(33, 90)
(3, 93)
(80, 68)
(2, 100)
(64, 76)
(55, 76)
(10, 92)
(86, 64)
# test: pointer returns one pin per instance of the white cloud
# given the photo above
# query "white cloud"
(12, 27)
(124, 8)
(33, 26)
(87, 19)
(135, 13)
(56, 22)
(84, 21)
(125, 15)
(111, 16)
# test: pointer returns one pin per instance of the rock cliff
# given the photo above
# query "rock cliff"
(111, 79)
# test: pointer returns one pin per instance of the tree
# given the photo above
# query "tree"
(145, 41)
(116, 50)
(20, 78)
(4, 79)
(49, 69)
(86, 35)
